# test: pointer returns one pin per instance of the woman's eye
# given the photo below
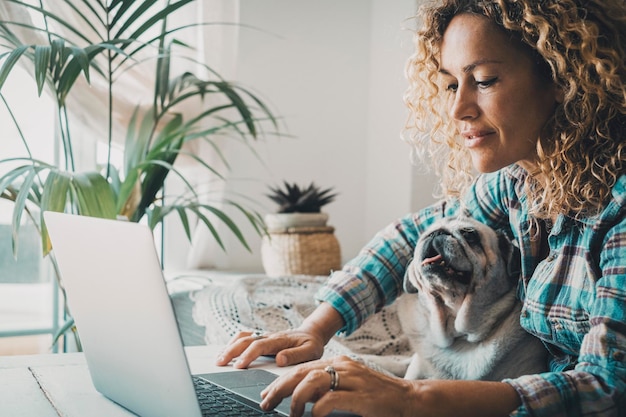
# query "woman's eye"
(486, 83)
(452, 87)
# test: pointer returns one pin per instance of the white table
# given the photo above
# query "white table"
(56, 385)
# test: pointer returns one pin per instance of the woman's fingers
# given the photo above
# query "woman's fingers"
(243, 343)
(305, 383)
(290, 347)
(308, 351)
(315, 385)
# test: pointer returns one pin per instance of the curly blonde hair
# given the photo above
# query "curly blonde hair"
(581, 47)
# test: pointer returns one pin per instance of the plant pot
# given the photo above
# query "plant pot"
(299, 244)
(283, 221)
(301, 251)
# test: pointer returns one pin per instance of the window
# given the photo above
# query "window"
(28, 294)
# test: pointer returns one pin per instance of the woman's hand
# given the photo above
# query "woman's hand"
(290, 347)
(357, 389)
(303, 344)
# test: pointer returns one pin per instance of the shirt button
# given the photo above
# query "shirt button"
(558, 326)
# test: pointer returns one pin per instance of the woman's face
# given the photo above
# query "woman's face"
(496, 98)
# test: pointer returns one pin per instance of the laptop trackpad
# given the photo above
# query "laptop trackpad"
(254, 394)
(249, 384)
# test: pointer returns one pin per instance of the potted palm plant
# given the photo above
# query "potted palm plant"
(100, 43)
(299, 241)
(298, 206)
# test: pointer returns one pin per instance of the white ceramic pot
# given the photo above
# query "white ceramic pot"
(277, 221)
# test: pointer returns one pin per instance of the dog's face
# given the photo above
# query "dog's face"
(461, 268)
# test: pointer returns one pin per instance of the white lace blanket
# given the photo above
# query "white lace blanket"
(257, 302)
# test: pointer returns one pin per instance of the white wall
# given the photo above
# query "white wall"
(333, 69)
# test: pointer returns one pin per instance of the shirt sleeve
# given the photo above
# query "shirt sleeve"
(375, 276)
(596, 386)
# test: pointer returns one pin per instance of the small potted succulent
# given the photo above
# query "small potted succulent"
(298, 240)
(298, 206)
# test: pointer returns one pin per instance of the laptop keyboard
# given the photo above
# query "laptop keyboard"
(216, 401)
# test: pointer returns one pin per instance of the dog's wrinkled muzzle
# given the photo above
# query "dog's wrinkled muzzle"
(443, 256)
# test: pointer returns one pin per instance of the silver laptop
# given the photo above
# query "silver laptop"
(129, 334)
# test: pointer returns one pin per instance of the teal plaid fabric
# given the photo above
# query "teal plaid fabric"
(574, 299)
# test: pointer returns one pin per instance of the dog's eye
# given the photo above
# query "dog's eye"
(470, 235)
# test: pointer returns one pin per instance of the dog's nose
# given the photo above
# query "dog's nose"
(434, 244)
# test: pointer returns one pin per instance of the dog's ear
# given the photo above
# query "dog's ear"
(407, 284)
(511, 254)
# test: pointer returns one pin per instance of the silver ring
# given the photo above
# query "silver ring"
(257, 335)
(334, 377)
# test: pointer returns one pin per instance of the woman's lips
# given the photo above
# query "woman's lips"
(474, 138)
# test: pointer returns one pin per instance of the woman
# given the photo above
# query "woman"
(531, 94)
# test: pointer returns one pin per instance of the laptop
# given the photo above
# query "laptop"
(117, 295)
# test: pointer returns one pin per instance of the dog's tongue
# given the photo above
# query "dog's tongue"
(434, 259)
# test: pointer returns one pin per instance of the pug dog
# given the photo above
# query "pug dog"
(460, 310)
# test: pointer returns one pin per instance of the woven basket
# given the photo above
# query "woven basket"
(300, 251)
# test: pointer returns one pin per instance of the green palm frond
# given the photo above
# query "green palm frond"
(119, 35)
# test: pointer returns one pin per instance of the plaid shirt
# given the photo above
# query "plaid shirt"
(574, 299)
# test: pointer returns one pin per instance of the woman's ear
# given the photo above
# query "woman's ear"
(559, 94)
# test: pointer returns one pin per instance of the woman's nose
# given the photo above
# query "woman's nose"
(464, 105)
